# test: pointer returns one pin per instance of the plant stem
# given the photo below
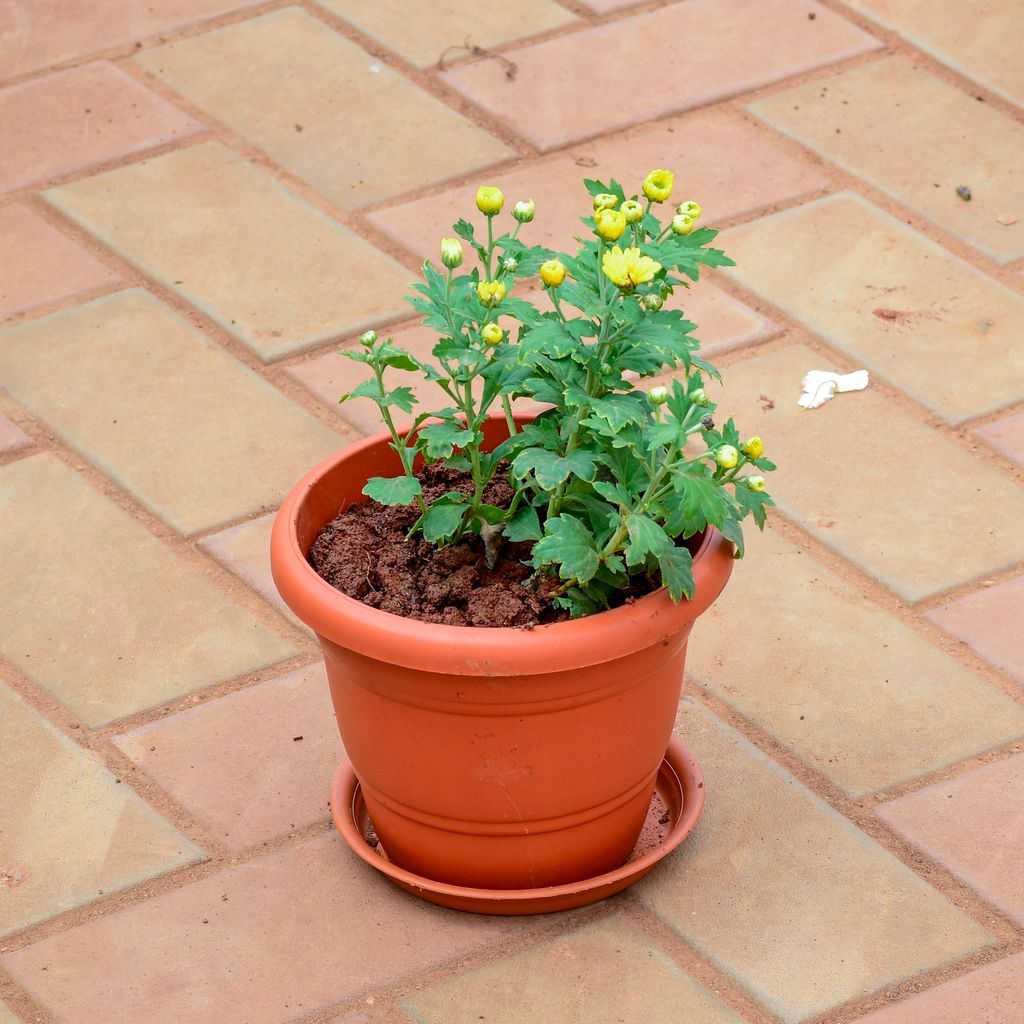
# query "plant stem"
(397, 441)
(506, 404)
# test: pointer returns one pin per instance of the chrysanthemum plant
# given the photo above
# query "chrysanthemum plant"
(610, 480)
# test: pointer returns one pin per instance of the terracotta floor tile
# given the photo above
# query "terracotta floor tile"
(543, 101)
(245, 550)
(857, 472)
(12, 438)
(250, 766)
(423, 34)
(978, 38)
(69, 832)
(38, 264)
(607, 971)
(259, 260)
(973, 825)
(720, 161)
(213, 951)
(45, 32)
(182, 425)
(789, 898)
(986, 995)
(918, 139)
(901, 305)
(323, 108)
(101, 614)
(989, 621)
(75, 119)
(1006, 436)
(862, 698)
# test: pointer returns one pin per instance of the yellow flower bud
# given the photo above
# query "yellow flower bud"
(681, 224)
(658, 185)
(605, 201)
(492, 334)
(368, 338)
(490, 293)
(690, 209)
(633, 210)
(657, 396)
(451, 252)
(699, 397)
(755, 483)
(653, 302)
(489, 200)
(609, 224)
(552, 273)
(524, 210)
(727, 456)
(753, 448)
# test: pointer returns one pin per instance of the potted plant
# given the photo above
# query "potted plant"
(519, 756)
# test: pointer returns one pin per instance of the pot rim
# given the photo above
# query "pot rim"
(477, 650)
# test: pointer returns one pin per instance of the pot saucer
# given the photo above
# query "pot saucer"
(677, 804)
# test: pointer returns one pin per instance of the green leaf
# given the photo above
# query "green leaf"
(491, 513)
(568, 544)
(391, 355)
(613, 492)
(549, 338)
(754, 503)
(595, 187)
(702, 499)
(524, 525)
(402, 397)
(646, 537)
(392, 490)
(443, 518)
(357, 355)
(466, 230)
(732, 530)
(439, 440)
(676, 566)
(577, 603)
(551, 469)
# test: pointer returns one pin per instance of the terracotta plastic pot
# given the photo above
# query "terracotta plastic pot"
(493, 758)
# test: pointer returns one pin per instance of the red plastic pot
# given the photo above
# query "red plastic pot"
(493, 758)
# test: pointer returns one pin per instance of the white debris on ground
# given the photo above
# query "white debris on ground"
(821, 385)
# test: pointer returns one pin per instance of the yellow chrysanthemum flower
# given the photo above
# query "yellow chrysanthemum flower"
(753, 448)
(633, 211)
(490, 293)
(628, 267)
(727, 456)
(489, 200)
(451, 252)
(552, 273)
(658, 185)
(491, 333)
(609, 224)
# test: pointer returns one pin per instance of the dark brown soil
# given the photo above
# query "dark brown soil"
(364, 553)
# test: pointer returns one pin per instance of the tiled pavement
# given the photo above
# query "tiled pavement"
(201, 200)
